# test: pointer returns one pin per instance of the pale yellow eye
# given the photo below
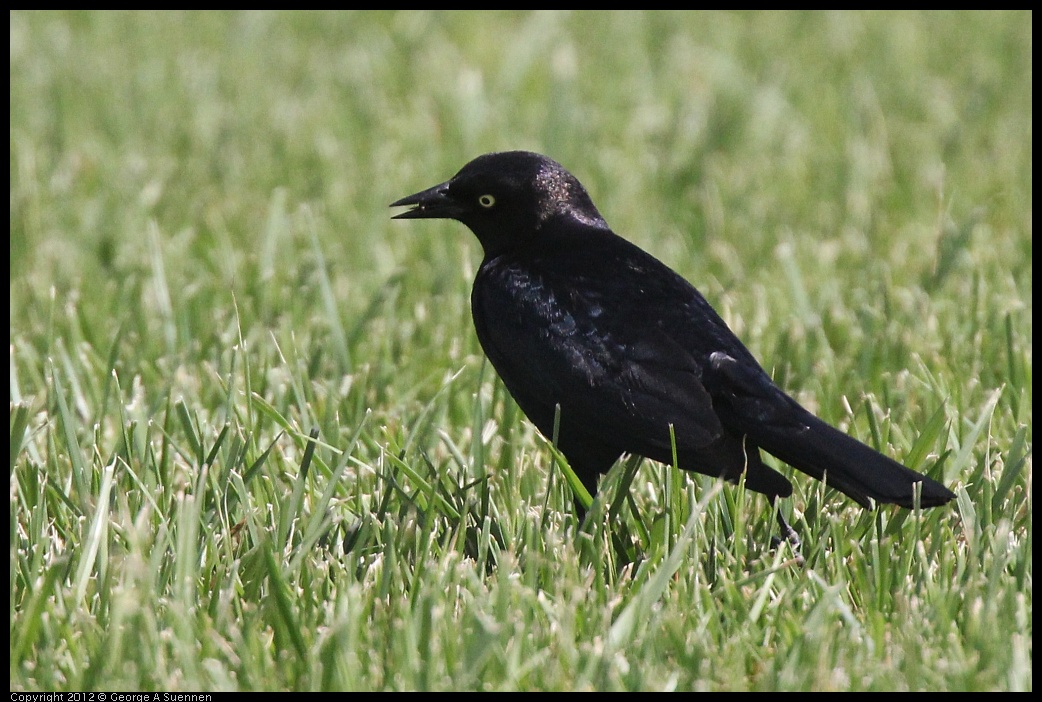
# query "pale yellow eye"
(486, 201)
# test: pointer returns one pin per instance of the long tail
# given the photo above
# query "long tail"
(858, 471)
(749, 403)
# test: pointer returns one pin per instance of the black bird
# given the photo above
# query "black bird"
(571, 314)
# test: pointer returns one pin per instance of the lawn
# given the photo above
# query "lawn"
(255, 444)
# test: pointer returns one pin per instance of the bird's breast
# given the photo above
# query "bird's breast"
(523, 319)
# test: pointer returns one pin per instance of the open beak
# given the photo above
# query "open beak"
(432, 203)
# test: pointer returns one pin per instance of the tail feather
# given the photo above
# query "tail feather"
(856, 470)
(749, 403)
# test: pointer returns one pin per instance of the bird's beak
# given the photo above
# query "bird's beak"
(432, 203)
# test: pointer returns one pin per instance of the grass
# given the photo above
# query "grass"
(203, 274)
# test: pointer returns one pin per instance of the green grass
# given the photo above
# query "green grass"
(203, 272)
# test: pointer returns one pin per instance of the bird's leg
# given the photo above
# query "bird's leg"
(580, 509)
(787, 531)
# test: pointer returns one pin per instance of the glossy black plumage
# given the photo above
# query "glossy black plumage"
(570, 313)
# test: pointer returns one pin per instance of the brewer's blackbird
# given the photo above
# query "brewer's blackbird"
(572, 315)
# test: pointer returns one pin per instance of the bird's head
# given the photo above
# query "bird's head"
(505, 198)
